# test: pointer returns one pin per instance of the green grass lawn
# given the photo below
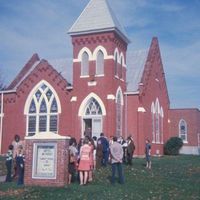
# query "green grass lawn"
(173, 178)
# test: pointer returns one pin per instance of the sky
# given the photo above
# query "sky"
(41, 26)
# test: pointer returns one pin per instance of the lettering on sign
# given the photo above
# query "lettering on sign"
(45, 160)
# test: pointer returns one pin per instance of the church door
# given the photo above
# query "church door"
(92, 119)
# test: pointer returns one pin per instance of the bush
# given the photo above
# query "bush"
(173, 145)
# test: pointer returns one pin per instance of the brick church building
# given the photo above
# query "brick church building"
(107, 89)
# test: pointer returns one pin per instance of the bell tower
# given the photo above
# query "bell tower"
(99, 56)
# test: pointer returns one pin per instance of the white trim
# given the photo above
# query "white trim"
(92, 83)
(85, 101)
(35, 156)
(99, 75)
(97, 49)
(93, 56)
(118, 55)
(141, 109)
(7, 91)
(87, 50)
(123, 59)
(31, 97)
(74, 99)
(84, 76)
(46, 136)
(110, 97)
(134, 93)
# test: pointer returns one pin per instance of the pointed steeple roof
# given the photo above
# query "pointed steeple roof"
(97, 17)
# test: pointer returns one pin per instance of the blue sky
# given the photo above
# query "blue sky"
(40, 26)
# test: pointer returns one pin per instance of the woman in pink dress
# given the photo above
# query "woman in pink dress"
(85, 162)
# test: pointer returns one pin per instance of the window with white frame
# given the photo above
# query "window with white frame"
(157, 122)
(120, 68)
(116, 65)
(85, 64)
(43, 111)
(183, 130)
(119, 113)
(100, 63)
(153, 121)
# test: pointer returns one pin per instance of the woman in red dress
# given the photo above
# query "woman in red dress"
(85, 162)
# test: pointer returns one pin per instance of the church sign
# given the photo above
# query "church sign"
(44, 161)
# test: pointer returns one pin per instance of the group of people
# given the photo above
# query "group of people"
(86, 156)
(92, 153)
(15, 161)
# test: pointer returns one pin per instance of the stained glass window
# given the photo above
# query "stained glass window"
(183, 130)
(93, 108)
(32, 108)
(43, 111)
(43, 107)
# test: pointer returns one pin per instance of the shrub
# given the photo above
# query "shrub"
(173, 145)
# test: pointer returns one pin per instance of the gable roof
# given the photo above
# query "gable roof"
(135, 67)
(62, 66)
(21, 75)
(97, 17)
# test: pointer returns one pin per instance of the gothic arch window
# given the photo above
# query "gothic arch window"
(93, 107)
(116, 65)
(153, 122)
(157, 122)
(42, 113)
(100, 63)
(183, 130)
(85, 64)
(119, 112)
(120, 68)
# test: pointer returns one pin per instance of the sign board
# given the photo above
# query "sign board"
(44, 161)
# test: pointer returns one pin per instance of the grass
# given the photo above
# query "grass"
(171, 178)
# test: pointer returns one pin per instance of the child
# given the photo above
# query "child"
(20, 165)
(9, 159)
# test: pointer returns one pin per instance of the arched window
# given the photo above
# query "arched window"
(116, 65)
(100, 63)
(153, 122)
(85, 64)
(183, 130)
(119, 103)
(93, 107)
(157, 122)
(42, 114)
(120, 68)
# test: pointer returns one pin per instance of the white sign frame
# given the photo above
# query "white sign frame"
(38, 148)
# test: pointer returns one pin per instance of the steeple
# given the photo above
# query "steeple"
(97, 17)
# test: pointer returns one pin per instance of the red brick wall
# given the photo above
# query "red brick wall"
(14, 121)
(62, 164)
(192, 118)
(108, 84)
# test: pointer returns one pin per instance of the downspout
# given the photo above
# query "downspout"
(1, 129)
(126, 116)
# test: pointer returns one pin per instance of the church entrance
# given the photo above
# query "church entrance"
(92, 126)
(92, 119)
